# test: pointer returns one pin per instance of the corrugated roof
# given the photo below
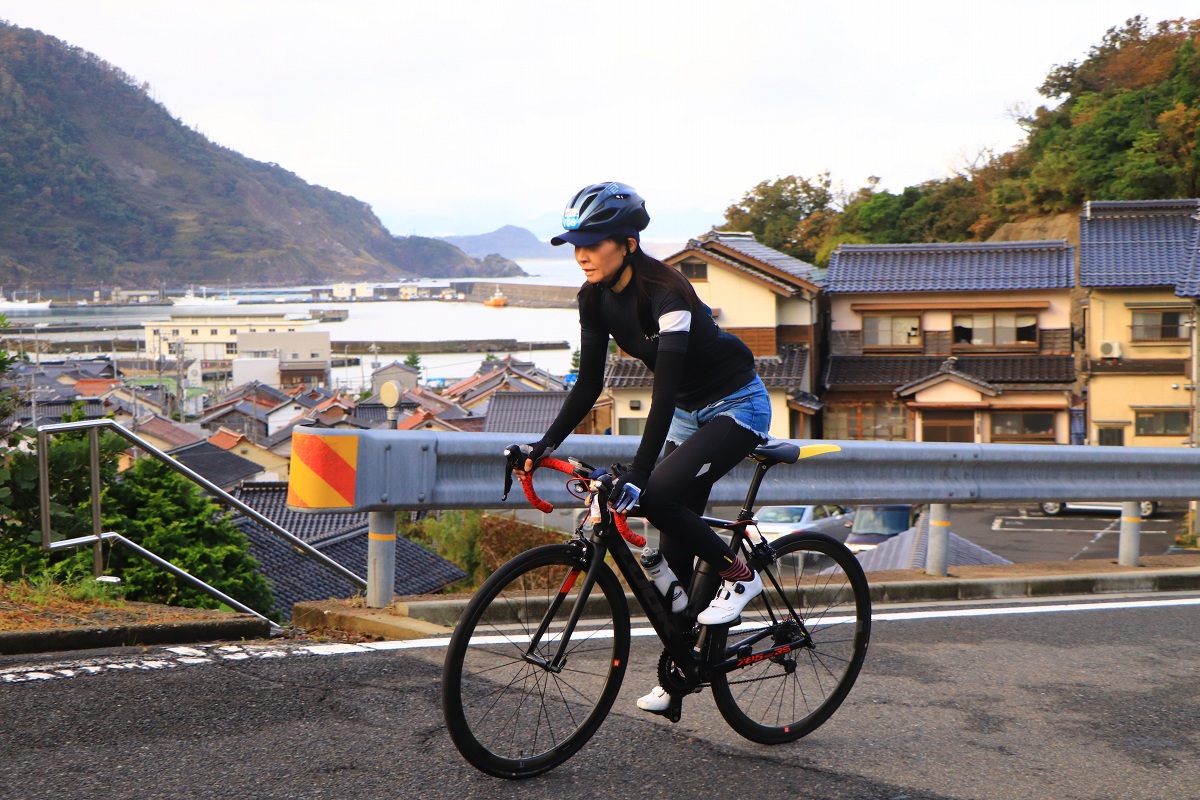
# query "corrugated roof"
(523, 412)
(1141, 243)
(951, 267)
(908, 551)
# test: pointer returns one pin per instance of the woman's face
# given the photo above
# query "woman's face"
(602, 261)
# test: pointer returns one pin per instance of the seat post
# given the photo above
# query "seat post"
(751, 493)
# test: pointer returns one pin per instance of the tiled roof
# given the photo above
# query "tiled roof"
(783, 371)
(223, 468)
(956, 267)
(895, 371)
(948, 368)
(295, 577)
(523, 412)
(1141, 243)
(746, 245)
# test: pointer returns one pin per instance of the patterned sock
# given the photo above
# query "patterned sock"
(737, 572)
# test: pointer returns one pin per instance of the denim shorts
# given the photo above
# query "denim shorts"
(749, 407)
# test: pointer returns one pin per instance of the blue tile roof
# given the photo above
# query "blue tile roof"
(953, 267)
(1141, 243)
(747, 245)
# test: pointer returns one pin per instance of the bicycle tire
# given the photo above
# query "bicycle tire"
(508, 716)
(784, 698)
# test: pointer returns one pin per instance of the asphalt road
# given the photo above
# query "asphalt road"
(1090, 703)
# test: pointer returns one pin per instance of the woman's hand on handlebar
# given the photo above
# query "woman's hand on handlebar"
(533, 452)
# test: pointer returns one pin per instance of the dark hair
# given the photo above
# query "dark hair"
(648, 274)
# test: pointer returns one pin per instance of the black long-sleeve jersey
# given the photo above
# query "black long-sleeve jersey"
(694, 362)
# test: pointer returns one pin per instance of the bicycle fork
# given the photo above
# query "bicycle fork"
(594, 557)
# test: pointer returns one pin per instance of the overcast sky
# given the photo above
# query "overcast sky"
(456, 117)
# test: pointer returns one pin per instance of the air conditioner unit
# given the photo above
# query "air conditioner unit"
(1110, 349)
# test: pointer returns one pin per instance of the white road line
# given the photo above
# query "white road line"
(998, 524)
(176, 657)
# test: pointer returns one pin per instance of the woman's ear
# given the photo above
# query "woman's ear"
(631, 245)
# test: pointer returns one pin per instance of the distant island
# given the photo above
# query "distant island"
(102, 187)
(508, 241)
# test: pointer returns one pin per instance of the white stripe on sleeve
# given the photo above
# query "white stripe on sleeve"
(675, 322)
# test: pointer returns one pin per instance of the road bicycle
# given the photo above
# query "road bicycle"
(539, 653)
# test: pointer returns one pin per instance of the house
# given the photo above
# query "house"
(506, 374)
(274, 466)
(403, 374)
(1139, 268)
(966, 342)
(764, 297)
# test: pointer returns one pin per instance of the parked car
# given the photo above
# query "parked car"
(875, 524)
(776, 521)
(1055, 507)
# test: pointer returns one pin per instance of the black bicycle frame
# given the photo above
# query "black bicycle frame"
(675, 630)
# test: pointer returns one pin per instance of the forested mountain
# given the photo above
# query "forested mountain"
(101, 186)
(1127, 128)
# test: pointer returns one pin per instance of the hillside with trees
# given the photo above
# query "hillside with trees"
(101, 186)
(1126, 127)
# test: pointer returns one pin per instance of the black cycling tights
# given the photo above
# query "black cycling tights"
(678, 490)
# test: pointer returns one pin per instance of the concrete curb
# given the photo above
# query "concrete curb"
(437, 617)
(235, 627)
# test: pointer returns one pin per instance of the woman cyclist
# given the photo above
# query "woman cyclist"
(708, 405)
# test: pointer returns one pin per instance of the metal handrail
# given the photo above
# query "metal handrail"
(98, 536)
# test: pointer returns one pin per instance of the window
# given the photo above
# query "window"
(233, 331)
(891, 331)
(212, 331)
(694, 270)
(157, 332)
(175, 331)
(1163, 423)
(1022, 426)
(195, 331)
(1159, 326)
(995, 330)
(886, 421)
(1111, 437)
(947, 426)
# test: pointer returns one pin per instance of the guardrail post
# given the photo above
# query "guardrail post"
(1129, 548)
(939, 538)
(381, 558)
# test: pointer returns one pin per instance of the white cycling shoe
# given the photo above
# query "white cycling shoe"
(731, 598)
(657, 701)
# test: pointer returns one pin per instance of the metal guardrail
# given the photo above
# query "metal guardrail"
(384, 471)
(427, 470)
(99, 536)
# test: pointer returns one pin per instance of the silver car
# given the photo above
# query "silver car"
(776, 521)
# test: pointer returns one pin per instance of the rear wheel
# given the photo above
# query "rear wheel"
(815, 586)
(1053, 509)
(509, 709)
(1148, 507)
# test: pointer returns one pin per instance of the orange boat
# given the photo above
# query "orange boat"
(498, 300)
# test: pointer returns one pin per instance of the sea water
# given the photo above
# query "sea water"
(382, 322)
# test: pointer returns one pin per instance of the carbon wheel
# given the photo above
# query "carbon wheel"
(509, 708)
(815, 599)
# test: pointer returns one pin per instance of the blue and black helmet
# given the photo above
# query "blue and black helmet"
(602, 210)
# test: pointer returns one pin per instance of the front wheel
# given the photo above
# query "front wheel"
(1053, 509)
(816, 586)
(510, 708)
